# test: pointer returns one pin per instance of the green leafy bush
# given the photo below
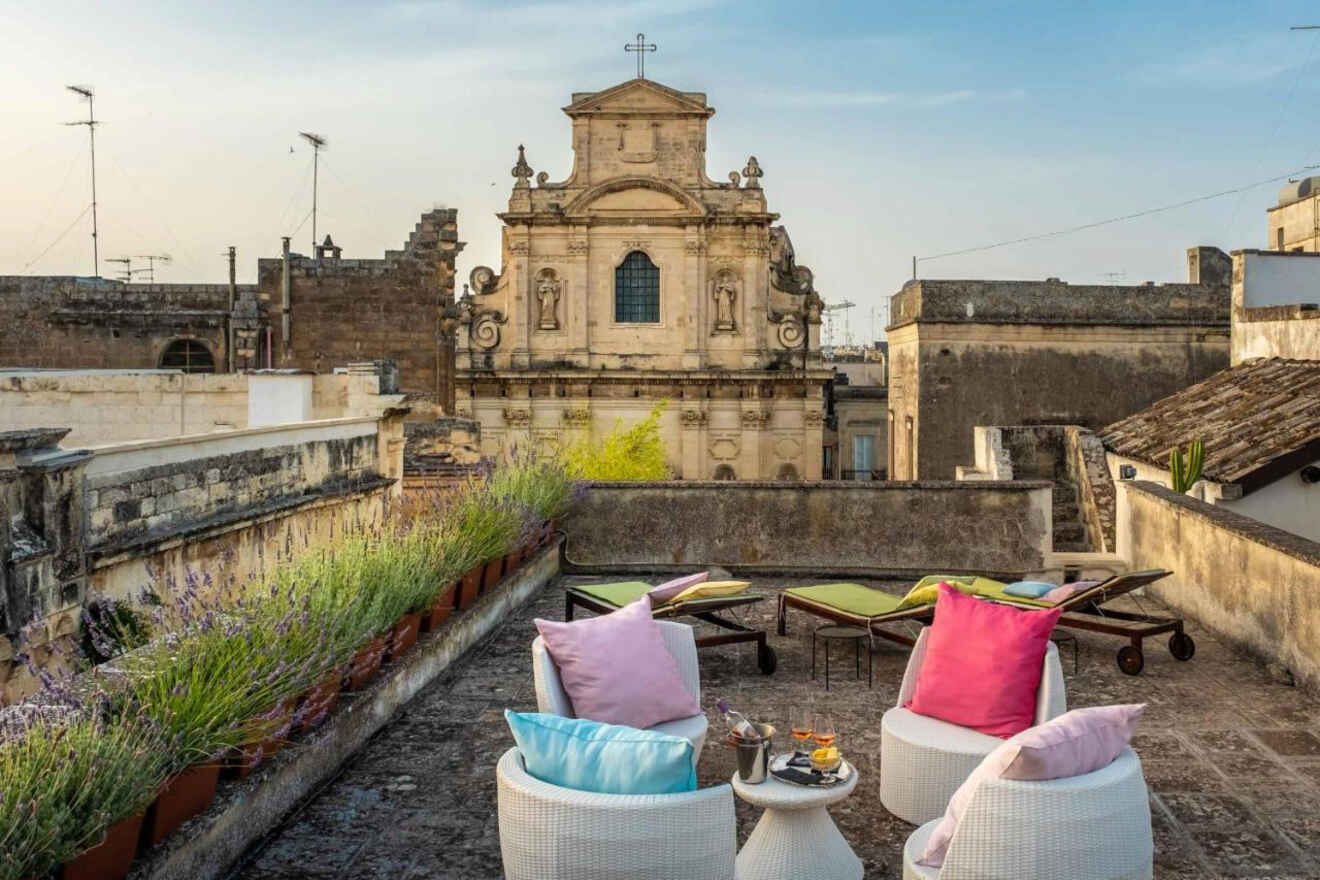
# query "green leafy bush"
(635, 452)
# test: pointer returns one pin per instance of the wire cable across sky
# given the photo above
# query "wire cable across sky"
(1133, 216)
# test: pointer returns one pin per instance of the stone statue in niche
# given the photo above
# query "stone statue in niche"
(725, 292)
(547, 298)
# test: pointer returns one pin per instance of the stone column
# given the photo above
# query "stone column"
(520, 298)
(756, 295)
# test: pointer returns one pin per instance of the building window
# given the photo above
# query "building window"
(725, 472)
(637, 290)
(188, 355)
(863, 456)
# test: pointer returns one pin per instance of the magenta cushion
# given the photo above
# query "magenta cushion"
(669, 589)
(983, 663)
(1074, 744)
(616, 668)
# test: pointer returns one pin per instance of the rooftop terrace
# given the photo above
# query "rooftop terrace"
(1231, 756)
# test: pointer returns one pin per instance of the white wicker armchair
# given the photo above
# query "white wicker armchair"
(1091, 827)
(923, 760)
(682, 645)
(548, 832)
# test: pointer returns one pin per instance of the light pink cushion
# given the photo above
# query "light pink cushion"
(616, 669)
(1077, 742)
(669, 589)
(1067, 591)
(983, 664)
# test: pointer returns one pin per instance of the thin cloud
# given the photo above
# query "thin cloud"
(905, 99)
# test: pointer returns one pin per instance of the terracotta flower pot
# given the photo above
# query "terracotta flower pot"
(511, 562)
(183, 797)
(470, 586)
(320, 700)
(365, 663)
(249, 757)
(404, 635)
(110, 859)
(492, 574)
(440, 611)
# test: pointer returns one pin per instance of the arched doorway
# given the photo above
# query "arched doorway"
(725, 472)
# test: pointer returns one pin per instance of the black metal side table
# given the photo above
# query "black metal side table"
(834, 633)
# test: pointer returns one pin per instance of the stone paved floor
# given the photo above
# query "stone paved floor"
(1232, 759)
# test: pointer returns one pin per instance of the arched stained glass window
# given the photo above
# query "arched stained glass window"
(637, 290)
(188, 355)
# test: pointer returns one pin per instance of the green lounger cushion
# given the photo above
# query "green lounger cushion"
(849, 598)
(617, 594)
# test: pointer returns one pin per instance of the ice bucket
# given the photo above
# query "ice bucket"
(754, 754)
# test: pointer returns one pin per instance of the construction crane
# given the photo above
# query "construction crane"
(828, 311)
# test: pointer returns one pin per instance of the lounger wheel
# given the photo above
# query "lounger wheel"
(766, 660)
(1181, 646)
(1130, 659)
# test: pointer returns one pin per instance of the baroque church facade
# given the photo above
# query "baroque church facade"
(639, 279)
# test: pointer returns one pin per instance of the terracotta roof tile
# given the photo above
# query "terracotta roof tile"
(1248, 416)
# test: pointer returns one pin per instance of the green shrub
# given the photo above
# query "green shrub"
(635, 452)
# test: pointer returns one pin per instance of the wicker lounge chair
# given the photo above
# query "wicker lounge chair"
(549, 831)
(1090, 827)
(604, 598)
(923, 760)
(551, 697)
(875, 610)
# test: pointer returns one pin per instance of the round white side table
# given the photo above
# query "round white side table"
(796, 838)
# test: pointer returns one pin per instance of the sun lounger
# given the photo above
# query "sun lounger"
(875, 610)
(604, 598)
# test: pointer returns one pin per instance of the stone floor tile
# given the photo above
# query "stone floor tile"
(1290, 742)
(1248, 851)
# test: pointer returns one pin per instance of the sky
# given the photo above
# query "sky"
(885, 130)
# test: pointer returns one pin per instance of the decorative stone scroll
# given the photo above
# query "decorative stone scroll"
(576, 418)
(693, 418)
(517, 418)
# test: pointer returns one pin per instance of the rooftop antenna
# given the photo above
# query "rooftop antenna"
(317, 141)
(125, 274)
(91, 123)
(151, 264)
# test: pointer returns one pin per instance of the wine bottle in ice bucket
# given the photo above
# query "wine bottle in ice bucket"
(739, 726)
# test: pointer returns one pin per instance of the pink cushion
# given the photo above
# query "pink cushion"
(983, 663)
(1077, 742)
(1067, 591)
(616, 668)
(669, 589)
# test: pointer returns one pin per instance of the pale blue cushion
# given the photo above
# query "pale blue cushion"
(1028, 589)
(603, 758)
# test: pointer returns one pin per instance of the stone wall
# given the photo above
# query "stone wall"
(101, 407)
(137, 492)
(1088, 470)
(967, 353)
(1250, 582)
(59, 322)
(343, 310)
(147, 515)
(830, 528)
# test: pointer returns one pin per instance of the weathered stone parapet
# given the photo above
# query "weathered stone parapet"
(834, 528)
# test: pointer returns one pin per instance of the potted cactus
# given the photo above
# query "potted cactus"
(1186, 471)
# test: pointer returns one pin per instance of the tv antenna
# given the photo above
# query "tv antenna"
(125, 274)
(317, 141)
(152, 260)
(91, 123)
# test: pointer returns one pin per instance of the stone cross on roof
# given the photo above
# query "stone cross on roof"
(641, 47)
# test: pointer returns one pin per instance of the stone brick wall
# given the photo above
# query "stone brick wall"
(877, 528)
(1253, 583)
(359, 310)
(156, 488)
(1088, 470)
(63, 322)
